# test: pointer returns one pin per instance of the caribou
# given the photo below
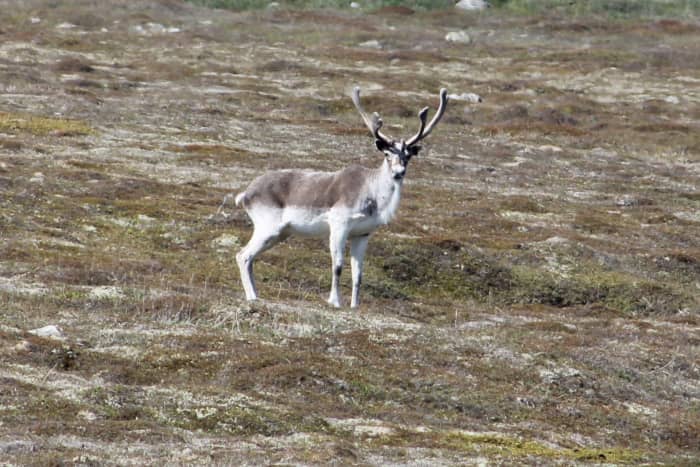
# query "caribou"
(347, 205)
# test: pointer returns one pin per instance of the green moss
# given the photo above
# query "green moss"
(241, 420)
(617, 291)
(311, 4)
(117, 402)
(365, 391)
(511, 448)
(440, 268)
(69, 296)
(37, 125)
(522, 204)
(444, 267)
(609, 9)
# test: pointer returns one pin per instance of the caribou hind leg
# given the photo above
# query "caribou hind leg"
(263, 239)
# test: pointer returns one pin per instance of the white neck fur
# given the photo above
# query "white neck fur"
(387, 192)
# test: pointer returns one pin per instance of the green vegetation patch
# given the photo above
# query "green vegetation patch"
(608, 8)
(510, 447)
(242, 420)
(447, 269)
(513, 448)
(311, 4)
(38, 125)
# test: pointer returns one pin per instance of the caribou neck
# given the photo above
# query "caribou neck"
(386, 191)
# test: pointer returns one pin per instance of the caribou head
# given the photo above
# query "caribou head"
(399, 152)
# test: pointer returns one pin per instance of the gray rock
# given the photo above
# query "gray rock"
(472, 5)
(226, 241)
(38, 178)
(371, 44)
(459, 37)
(51, 332)
(106, 292)
(466, 97)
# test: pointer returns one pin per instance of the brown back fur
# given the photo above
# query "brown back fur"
(303, 188)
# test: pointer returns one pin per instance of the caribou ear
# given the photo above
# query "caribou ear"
(413, 150)
(382, 145)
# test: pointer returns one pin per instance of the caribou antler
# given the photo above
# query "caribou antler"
(374, 122)
(425, 130)
(423, 115)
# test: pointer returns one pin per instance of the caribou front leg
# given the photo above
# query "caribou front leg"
(358, 247)
(338, 237)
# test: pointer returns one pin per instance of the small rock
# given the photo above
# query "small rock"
(373, 430)
(556, 240)
(23, 346)
(37, 177)
(144, 219)
(371, 44)
(87, 415)
(691, 216)
(465, 96)
(458, 37)
(472, 5)
(50, 332)
(625, 202)
(527, 402)
(106, 292)
(549, 148)
(631, 201)
(635, 408)
(603, 153)
(550, 376)
(34, 20)
(154, 28)
(672, 100)
(225, 241)
(177, 240)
